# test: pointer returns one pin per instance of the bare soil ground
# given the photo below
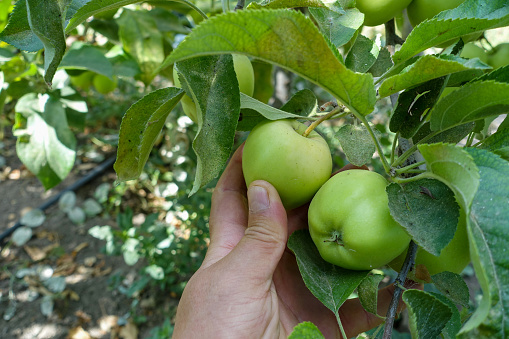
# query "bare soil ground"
(91, 306)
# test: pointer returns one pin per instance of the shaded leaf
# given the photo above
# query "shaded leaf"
(338, 25)
(412, 106)
(302, 103)
(382, 64)
(357, 144)
(427, 210)
(140, 127)
(18, 32)
(453, 326)
(205, 80)
(368, 292)
(330, 284)
(89, 58)
(454, 167)
(489, 241)
(275, 4)
(498, 143)
(46, 20)
(452, 286)
(362, 55)
(473, 101)
(428, 315)
(141, 38)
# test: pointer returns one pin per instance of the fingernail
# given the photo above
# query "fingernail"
(258, 199)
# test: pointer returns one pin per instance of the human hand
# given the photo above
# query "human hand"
(249, 285)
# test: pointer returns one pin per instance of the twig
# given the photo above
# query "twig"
(240, 5)
(398, 290)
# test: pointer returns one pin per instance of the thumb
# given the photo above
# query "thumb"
(264, 241)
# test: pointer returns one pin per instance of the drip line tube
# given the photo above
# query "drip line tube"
(94, 173)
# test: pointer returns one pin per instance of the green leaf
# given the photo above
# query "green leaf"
(306, 330)
(499, 75)
(470, 102)
(330, 284)
(427, 68)
(302, 103)
(452, 286)
(412, 106)
(362, 55)
(356, 143)
(140, 128)
(278, 4)
(45, 143)
(270, 112)
(253, 111)
(427, 210)
(451, 135)
(339, 26)
(454, 167)
(92, 7)
(382, 64)
(18, 32)
(489, 241)
(46, 20)
(264, 35)
(205, 80)
(498, 143)
(471, 16)
(428, 315)
(86, 57)
(368, 292)
(453, 326)
(142, 40)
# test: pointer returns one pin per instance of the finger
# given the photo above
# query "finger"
(229, 213)
(259, 251)
(356, 319)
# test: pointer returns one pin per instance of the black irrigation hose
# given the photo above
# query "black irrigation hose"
(97, 171)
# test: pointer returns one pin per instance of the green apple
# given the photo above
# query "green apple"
(350, 222)
(420, 10)
(499, 57)
(103, 84)
(377, 12)
(471, 50)
(83, 81)
(245, 77)
(453, 258)
(297, 166)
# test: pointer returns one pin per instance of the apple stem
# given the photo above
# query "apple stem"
(398, 291)
(322, 119)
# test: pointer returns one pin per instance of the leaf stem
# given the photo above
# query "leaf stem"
(343, 333)
(409, 167)
(423, 175)
(398, 291)
(379, 149)
(412, 149)
(322, 119)
(394, 143)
